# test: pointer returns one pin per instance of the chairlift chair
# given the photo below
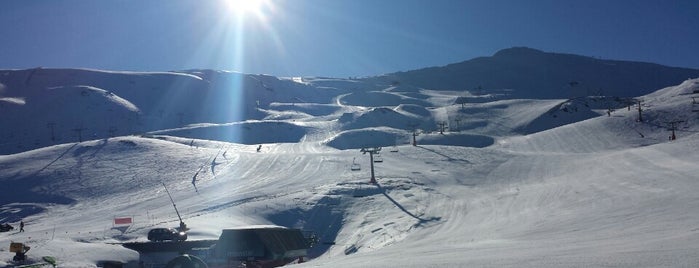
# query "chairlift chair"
(355, 166)
(378, 158)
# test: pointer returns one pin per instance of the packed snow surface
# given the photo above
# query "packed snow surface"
(509, 183)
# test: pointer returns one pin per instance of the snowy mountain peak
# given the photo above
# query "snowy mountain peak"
(530, 73)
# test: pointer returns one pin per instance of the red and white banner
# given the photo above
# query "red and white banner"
(124, 220)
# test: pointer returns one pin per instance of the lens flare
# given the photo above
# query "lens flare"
(247, 7)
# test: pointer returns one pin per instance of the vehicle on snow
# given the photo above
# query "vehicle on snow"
(166, 234)
(6, 227)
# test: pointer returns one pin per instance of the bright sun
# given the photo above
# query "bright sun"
(247, 7)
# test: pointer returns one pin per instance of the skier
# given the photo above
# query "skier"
(21, 226)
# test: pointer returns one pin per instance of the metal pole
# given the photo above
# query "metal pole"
(173, 205)
(371, 158)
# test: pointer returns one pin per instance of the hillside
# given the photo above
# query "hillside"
(591, 193)
(531, 73)
(494, 181)
(55, 106)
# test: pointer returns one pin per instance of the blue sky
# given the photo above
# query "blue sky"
(337, 38)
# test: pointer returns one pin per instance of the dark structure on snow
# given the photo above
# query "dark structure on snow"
(254, 246)
(264, 246)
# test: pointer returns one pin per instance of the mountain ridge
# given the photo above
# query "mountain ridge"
(538, 74)
(96, 104)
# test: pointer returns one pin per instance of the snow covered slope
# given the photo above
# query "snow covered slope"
(54, 106)
(512, 183)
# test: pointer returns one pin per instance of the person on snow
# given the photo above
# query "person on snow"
(21, 226)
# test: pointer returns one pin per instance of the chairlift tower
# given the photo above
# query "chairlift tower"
(414, 126)
(442, 127)
(673, 127)
(79, 130)
(371, 152)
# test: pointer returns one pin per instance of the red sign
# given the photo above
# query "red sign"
(123, 220)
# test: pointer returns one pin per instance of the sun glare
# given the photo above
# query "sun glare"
(243, 25)
(247, 7)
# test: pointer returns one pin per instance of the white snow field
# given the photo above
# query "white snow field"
(515, 183)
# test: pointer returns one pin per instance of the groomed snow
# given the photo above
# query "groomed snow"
(603, 191)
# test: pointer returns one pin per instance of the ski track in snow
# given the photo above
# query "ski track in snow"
(589, 194)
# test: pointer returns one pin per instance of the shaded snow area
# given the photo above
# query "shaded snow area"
(497, 182)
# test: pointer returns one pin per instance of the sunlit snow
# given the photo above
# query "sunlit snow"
(510, 183)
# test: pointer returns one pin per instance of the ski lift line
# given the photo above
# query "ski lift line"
(653, 124)
(208, 162)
